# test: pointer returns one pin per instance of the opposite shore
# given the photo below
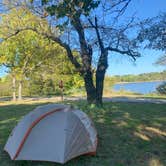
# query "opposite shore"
(140, 81)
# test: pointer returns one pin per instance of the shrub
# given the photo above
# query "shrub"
(162, 88)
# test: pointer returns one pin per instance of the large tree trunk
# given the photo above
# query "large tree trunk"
(20, 90)
(86, 55)
(90, 88)
(100, 75)
(14, 87)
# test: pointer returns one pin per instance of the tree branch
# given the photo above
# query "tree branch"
(55, 39)
(86, 49)
(133, 54)
(97, 33)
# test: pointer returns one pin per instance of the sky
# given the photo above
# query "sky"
(120, 64)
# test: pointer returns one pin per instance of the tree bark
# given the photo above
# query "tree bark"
(14, 87)
(20, 90)
(86, 56)
(90, 88)
(101, 66)
(100, 75)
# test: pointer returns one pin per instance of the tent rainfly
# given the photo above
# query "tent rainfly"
(52, 132)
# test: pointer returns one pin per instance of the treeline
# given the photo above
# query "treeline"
(45, 82)
(42, 85)
(5, 84)
(153, 76)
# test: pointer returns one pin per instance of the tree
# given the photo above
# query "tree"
(162, 88)
(154, 33)
(80, 25)
(25, 52)
(45, 79)
(5, 84)
(161, 60)
(9, 62)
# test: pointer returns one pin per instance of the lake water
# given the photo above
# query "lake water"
(138, 87)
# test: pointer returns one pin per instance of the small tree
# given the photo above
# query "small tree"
(162, 88)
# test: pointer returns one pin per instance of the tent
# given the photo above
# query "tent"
(52, 132)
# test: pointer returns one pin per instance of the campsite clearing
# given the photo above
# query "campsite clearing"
(129, 133)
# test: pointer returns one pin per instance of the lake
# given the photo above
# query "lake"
(138, 87)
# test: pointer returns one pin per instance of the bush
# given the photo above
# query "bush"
(162, 88)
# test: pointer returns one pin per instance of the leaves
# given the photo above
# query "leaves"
(33, 58)
(154, 32)
(70, 8)
(162, 88)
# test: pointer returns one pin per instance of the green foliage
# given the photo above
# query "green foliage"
(22, 52)
(109, 81)
(162, 89)
(44, 2)
(141, 77)
(70, 7)
(49, 88)
(5, 86)
(154, 32)
(37, 61)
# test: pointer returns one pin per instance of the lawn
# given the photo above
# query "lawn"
(129, 134)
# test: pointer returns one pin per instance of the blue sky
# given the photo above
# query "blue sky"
(2, 71)
(120, 65)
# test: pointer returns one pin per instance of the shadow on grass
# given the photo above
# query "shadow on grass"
(129, 134)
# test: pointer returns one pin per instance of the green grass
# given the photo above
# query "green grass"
(111, 93)
(129, 134)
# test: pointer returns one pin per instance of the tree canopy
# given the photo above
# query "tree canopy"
(153, 34)
(30, 56)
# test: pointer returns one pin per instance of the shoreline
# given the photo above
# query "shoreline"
(139, 82)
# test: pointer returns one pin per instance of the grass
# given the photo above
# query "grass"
(129, 134)
(123, 93)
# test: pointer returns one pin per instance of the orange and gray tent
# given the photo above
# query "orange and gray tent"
(52, 132)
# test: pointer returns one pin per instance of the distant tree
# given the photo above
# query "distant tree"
(87, 27)
(141, 77)
(45, 79)
(5, 85)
